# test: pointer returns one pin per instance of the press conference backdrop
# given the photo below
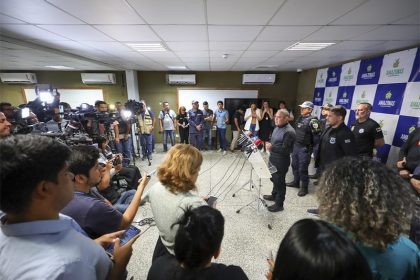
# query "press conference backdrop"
(391, 83)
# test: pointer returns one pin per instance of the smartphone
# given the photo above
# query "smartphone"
(61, 109)
(125, 237)
(211, 200)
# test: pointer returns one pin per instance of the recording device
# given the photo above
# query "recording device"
(129, 234)
(249, 144)
(211, 200)
(25, 113)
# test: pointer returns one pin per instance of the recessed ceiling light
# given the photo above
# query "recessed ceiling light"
(308, 46)
(60, 67)
(177, 67)
(147, 47)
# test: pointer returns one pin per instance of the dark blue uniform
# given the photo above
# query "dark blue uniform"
(307, 129)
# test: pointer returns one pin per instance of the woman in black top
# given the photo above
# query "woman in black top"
(197, 241)
(182, 120)
(266, 127)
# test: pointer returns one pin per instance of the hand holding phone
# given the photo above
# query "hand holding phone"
(211, 200)
(129, 234)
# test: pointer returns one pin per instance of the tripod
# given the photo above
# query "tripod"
(258, 167)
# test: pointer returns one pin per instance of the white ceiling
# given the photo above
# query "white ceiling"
(92, 34)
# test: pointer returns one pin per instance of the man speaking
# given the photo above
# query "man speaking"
(280, 148)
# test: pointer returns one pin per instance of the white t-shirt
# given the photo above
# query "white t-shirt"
(167, 119)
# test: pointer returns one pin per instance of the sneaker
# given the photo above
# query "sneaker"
(275, 208)
(268, 197)
(224, 153)
(313, 211)
(219, 150)
(313, 176)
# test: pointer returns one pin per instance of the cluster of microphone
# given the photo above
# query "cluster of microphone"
(249, 144)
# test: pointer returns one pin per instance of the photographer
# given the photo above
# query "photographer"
(118, 183)
(146, 124)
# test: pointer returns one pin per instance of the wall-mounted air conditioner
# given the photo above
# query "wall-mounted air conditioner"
(98, 78)
(262, 79)
(181, 79)
(18, 78)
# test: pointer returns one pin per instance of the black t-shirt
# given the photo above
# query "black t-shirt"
(411, 150)
(240, 117)
(182, 119)
(365, 134)
(167, 267)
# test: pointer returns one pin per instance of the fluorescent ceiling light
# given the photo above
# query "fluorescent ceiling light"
(308, 46)
(147, 47)
(60, 67)
(177, 67)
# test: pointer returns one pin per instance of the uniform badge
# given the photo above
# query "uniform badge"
(378, 129)
(332, 140)
(352, 128)
(361, 130)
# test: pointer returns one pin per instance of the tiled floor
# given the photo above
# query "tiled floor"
(247, 239)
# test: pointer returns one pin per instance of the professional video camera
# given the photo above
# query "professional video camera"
(47, 98)
(134, 106)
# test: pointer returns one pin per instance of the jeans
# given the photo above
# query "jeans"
(124, 147)
(221, 134)
(146, 144)
(301, 157)
(124, 201)
(207, 133)
(195, 140)
(171, 134)
(252, 129)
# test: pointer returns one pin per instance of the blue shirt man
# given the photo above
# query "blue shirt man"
(222, 118)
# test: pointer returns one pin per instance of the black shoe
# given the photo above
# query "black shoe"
(313, 211)
(303, 191)
(292, 185)
(313, 176)
(275, 208)
(268, 197)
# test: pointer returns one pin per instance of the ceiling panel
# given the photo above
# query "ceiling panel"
(313, 12)
(356, 45)
(170, 12)
(221, 46)
(264, 54)
(233, 33)
(188, 46)
(379, 12)
(77, 32)
(286, 33)
(36, 12)
(28, 32)
(269, 46)
(179, 33)
(6, 19)
(100, 11)
(392, 32)
(241, 12)
(332, 33)
(413, 19)
(129, 33)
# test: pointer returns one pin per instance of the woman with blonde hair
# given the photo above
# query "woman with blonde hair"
(373, 205)
(174, 193)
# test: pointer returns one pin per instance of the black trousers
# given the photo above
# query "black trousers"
(160, 250)
(279, 178)
(183, 135)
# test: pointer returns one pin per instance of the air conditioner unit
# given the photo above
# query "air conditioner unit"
(263, 79)
(18, 78)
(179, 79)
(98, 78)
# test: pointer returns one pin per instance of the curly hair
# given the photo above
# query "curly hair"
(367, 199)
(180, 165)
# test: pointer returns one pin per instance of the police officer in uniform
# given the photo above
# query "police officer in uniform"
(337, 140)
(367, 132)
(323, 122)
(280, 147)
(307, 129)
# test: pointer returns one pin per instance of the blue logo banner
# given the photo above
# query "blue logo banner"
(352, 118)
(369, 71)
(415, 73)
(345, 96)
(318, 96)
(382, 153)
(333, 76)
(405, 126)
(388, 98)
